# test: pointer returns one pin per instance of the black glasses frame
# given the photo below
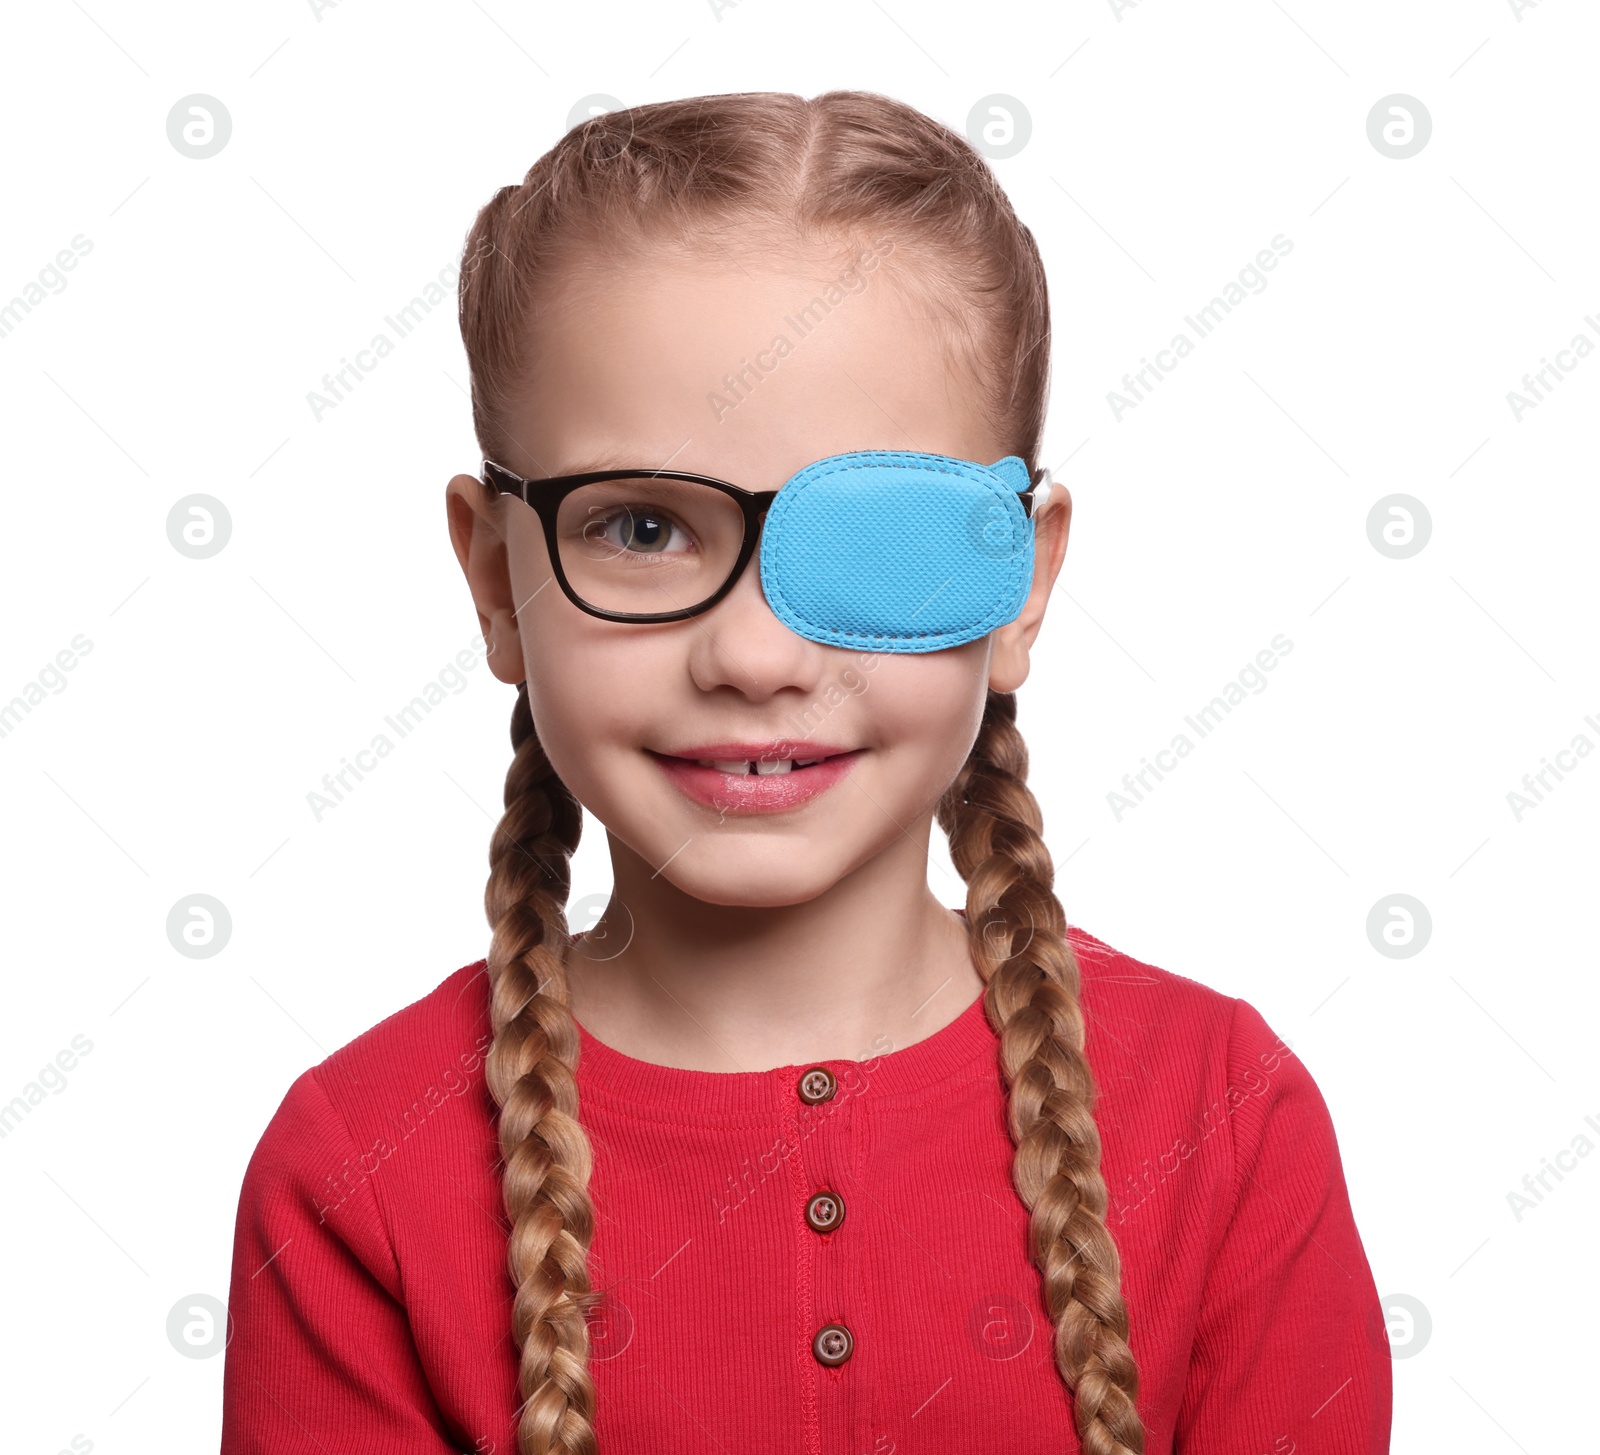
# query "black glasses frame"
(754, 505)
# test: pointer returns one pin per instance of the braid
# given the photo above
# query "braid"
(530, 1075)
(1031, 999)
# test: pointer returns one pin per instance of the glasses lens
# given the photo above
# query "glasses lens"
(645, 545)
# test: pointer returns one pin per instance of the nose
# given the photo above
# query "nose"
(741, 644)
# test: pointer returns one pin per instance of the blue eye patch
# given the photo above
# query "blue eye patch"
(899, 551)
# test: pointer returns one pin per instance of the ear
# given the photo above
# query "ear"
(1010, 644)
(479, 540)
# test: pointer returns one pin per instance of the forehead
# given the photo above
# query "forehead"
(743, 366)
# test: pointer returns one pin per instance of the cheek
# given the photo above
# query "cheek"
(586, 677)
(925, 710)
(588, 685)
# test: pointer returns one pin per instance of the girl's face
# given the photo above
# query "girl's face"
(633, 365)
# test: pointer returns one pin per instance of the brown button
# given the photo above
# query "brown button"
(833, 1344)
(817, 1085)
(825, 1212)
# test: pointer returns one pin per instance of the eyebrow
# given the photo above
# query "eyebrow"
(607, 460)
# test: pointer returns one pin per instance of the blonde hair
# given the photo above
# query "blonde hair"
(822, 170)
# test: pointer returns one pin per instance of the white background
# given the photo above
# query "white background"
(1170, 142)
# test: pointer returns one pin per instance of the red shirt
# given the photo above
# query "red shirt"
(371, 1303)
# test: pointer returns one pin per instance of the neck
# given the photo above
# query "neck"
(873, 964)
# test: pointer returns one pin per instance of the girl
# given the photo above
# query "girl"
(785, 1153)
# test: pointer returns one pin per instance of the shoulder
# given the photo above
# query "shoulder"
(1136, 1003)
(1165, 1036)
(1173, 1057)
(362, 1244)
(421, 1065)
(432, 1045)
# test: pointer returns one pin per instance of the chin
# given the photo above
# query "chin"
(737, 873)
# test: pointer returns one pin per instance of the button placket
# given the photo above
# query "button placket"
(826, 1114)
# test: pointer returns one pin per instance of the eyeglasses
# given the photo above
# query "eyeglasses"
(642, 545)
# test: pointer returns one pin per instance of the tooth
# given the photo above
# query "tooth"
(740, 767)
(768, 769)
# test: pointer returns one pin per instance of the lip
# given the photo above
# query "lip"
(772, 750)
(755, 792)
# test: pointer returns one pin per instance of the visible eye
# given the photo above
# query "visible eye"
(636, 529)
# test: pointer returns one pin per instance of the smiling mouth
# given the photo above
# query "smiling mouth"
(763, 784)
(763, 767)
(765, 756)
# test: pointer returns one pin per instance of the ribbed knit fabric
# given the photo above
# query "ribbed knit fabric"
(371, 1303)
